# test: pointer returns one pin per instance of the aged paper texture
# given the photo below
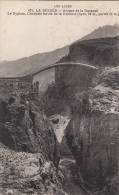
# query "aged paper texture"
(59, 97)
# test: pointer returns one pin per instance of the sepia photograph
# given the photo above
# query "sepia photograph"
(59, 98)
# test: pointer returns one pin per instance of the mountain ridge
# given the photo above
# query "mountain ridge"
(32, 64)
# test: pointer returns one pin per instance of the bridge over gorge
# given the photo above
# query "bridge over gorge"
(65, 64)
(23, 83)
(52, 73)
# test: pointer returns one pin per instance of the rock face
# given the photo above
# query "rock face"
(99, 52)
(26, 173)
(24, 128)
(93, 133)
(29, 151)
(93, 100)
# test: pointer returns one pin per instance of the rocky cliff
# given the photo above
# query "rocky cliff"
(29, 150)
(92, 97)
(93, 133)
(98, 52)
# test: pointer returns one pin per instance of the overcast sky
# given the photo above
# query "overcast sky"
(22, 36)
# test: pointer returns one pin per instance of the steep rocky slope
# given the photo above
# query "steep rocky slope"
(93, 133)
(102, 52)
(24, 128)
(98, 52)
(74, 83)
(26, 173)
(29, 151)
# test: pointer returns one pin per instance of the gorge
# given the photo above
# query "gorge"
(65, 140)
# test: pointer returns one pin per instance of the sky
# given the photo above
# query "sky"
(22, 36)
